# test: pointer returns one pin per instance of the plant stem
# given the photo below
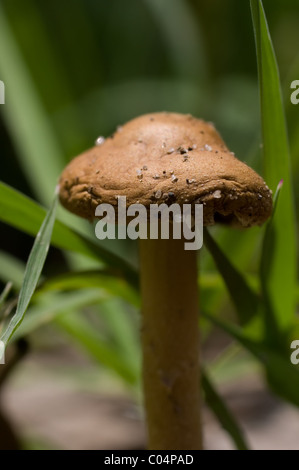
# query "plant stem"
(170, 342)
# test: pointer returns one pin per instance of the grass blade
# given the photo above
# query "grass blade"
(243, 297)
(281, 278)
(124, 331)
(50, 306)
(33, 270)
(11, 269)
(21, 212)
(102, 279)
(281, 374)
(26, 119)
(222, 413)
(63, 309)
(271, 327)
(5, 293)
(84, 333)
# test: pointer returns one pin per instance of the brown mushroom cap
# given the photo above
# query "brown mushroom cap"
(166, 158)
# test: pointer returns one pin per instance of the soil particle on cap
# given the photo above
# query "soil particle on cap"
(139, 174)
(217, 194)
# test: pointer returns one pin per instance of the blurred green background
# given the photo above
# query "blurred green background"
(76, 70)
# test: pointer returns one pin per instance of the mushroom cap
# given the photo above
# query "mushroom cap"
(166, 158)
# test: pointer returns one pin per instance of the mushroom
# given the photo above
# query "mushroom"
(166, 158)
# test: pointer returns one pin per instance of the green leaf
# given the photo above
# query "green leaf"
(11, 269)
(33, 270)
(36, 143)
(62, 309)
(5, 293)
(281, 374)
(48, 306)
(272, 332)
(84, 333)
(222, 413)
(243, 297)
(279, 282)
(232, 364)
(124, 329)
(102, 279)
(21, 212)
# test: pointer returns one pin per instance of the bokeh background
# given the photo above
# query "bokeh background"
(77, 70)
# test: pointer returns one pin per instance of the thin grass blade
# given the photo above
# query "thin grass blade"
(280, 280)
(272, 331)
(84, 333)
(281, 374)
(244, 298)
(5, 293)
(33, 270)
(45, 310)
(101, 279)
(222, 413)
(36, 143)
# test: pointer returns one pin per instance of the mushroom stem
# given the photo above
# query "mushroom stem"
(170, 342)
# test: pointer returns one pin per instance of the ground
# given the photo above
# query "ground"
(61, 402)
